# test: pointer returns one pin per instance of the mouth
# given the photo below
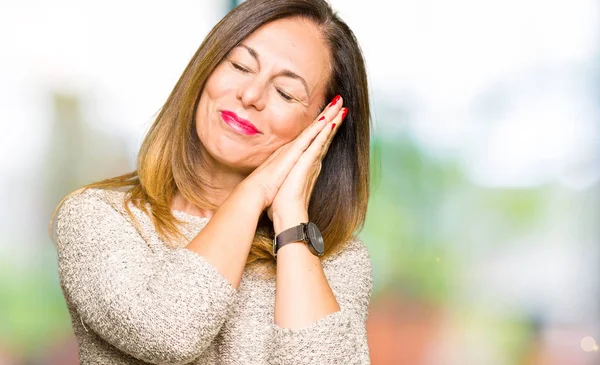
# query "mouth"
(238, 124)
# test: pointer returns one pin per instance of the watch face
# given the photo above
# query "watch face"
(315, 238)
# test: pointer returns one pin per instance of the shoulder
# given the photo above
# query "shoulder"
(354, 250)
(350, 275)
(84, 207)
(351, 263)
(88, 200)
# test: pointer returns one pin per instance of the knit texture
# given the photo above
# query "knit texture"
(134, 300)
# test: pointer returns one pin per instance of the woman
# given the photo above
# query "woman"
(175, 262)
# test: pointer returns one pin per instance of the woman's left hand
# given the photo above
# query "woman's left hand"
(290, 205)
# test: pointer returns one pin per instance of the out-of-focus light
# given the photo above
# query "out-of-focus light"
(588, 344)
(437, 259)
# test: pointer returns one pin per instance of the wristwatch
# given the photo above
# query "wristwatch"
(306, 232)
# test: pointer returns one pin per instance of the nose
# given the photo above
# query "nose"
(252, 93)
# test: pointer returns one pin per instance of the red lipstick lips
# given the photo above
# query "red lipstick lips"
(238, 124)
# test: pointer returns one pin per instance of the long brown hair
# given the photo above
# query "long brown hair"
(168, 157)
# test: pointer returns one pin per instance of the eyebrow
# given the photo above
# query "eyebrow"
(284, 72)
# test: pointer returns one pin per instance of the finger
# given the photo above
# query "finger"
(329, 113)
(294, 150)
(318, 148)
(331, 110)
(335, 126)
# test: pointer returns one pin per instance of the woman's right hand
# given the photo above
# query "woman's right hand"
(267, 178)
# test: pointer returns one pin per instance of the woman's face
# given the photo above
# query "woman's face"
(275, 80)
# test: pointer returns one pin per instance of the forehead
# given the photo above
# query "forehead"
(295, 44)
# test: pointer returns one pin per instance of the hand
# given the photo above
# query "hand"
(267, 178)
(290, 205)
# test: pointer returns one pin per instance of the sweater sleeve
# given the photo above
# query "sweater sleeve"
(340, 337)
(160, 308)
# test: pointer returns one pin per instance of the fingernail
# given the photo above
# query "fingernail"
(333, 126)
(320, 119)
(335, 100)
(344, 112)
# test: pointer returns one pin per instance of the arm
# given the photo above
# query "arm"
(226, 240)
(320, 315)
(303, 294)
(160, 308)
(307, 328)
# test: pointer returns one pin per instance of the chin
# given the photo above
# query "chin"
(232, 155)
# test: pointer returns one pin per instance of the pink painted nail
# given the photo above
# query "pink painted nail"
(344, 112)
(333, 126)
(320, 119)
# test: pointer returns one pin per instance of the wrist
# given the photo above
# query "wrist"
(289, 219)
(251, 199)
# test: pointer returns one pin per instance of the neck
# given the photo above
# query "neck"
(219, 180)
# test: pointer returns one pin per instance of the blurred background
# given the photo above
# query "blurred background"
(484, 219)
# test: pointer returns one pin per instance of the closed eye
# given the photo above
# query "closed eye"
(238, 67)
(285, 96)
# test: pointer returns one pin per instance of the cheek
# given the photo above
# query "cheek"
(288, 123)
(217, 86)
(219, 83)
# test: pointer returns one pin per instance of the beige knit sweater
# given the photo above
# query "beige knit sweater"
(133, 300)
